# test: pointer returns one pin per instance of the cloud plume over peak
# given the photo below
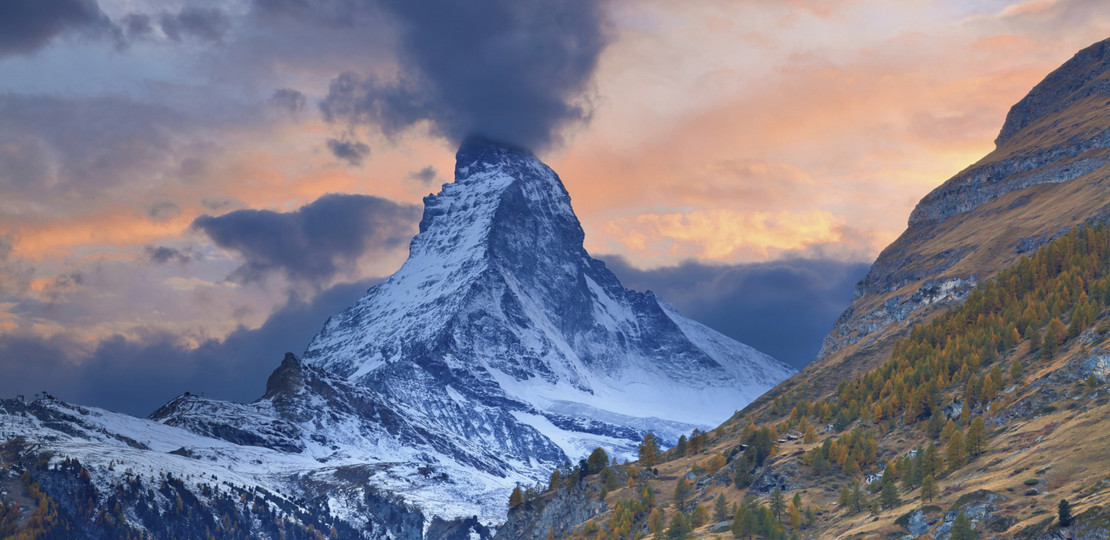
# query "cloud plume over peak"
(515, 72)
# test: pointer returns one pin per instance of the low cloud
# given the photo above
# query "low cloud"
(288, 100)
(783, 308)
(163, 255)
(163, 211)
(29, 25)
(427, 175)
(137, 25)
(200, 23)
(315, 242)
(351, 151)
(137, 375)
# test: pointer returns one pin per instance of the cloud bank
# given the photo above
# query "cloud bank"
(313, 243)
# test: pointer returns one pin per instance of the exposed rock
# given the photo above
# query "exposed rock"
(851, 327)
(917, 523)
(561, 512)
(1078, 78)
(772, 476)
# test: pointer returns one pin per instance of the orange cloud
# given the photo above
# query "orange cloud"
(722, 235)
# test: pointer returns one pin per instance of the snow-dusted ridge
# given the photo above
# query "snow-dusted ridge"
(497, 352)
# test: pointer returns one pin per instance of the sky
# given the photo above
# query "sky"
(188, 189)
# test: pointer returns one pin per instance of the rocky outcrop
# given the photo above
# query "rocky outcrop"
(559, 512)
(852, 327)
(977, 185)
(1081, 77)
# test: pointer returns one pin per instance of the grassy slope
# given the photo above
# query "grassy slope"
(1071, 441)
(1064, 445)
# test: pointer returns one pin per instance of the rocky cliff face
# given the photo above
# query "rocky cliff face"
(1045, 176)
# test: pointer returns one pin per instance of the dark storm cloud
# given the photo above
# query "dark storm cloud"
(138, 376)
(425, 176)
(288, 100)
(316, 241)
(510, 71)
(28, 25)
(205, 24)
(163, 255)
(351, 151)
(163, 211)
(137, 25)
(783, 308)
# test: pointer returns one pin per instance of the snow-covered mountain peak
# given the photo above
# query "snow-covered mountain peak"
(499, 298)
(498, 352)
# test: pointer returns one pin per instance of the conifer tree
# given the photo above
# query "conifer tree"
(859, 500)
(720, 508)
(955, 451)
(737, 528)
(1063, 513)
(961, 528)
(680, 448)
(698, 517)
(679, 528)
(598, 460)
(681, 491)
(809, 436)
(907, 477)
(649, 450)
(656, 522)
(516, 498)
(928, 488)
(976, 437)
(777, 503)
(889, 496)
(845, 500)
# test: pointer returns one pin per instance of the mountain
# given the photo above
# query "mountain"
(1047, 174)
(976, 352)
(498, 352)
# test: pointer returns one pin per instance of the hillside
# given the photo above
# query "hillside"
(899, 365)
(1003, 423)
(1047, 174)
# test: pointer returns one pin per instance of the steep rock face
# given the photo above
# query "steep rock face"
(1045, 176)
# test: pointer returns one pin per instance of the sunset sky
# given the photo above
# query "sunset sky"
(189, 188)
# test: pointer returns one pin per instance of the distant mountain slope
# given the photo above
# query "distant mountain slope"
(1048, 174)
